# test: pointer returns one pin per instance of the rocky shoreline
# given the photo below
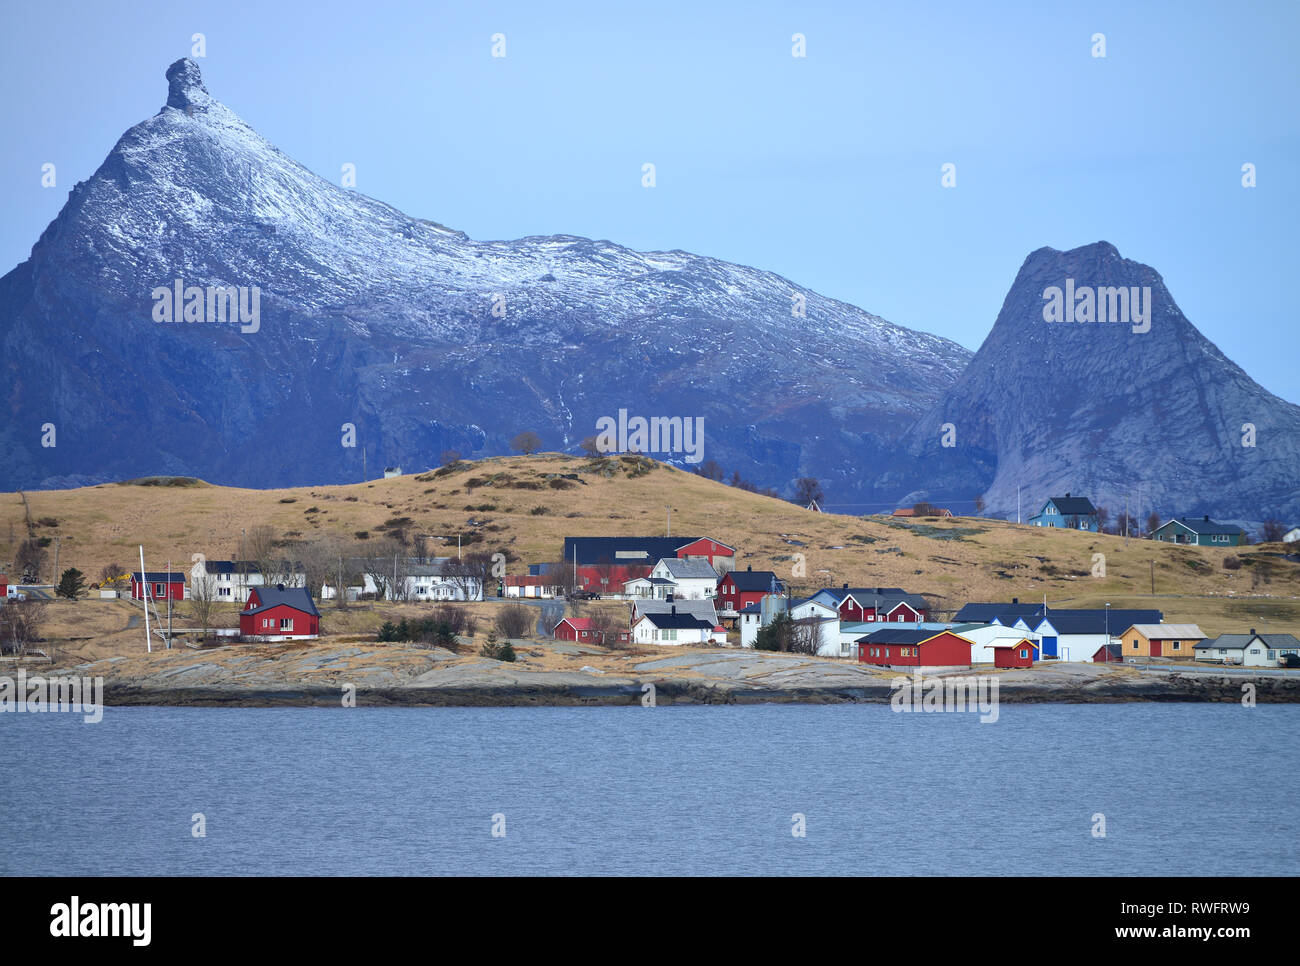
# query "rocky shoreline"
(398, 676)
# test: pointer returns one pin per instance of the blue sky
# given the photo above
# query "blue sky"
(825, 169)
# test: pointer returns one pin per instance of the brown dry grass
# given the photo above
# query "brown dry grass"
(979, 559)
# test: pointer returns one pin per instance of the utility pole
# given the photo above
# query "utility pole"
(1153, 578)
(364, 475)
(670, 519)
(57, 541)
(1017, 503)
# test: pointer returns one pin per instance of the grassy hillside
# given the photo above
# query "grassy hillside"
(525, 506)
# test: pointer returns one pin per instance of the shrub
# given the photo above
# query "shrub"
(1231, 563)
(514, 620)
(538, 511)
(499, 652)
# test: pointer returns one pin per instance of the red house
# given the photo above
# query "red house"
(4, 587)
(162, 585)
(740, 588)
(279, 613)
(1019, 654)
(583, 631)
(914, 648)
(872, 604)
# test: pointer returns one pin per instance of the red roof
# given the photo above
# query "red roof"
(577, 623)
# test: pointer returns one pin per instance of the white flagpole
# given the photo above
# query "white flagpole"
(144, 583)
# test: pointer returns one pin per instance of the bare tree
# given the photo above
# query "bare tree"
(1103, 517)
(420, 547)
(807, 490)
(317, 558)
(808, 636)
(22, 623)
(514, 620)
(711, 470)
(606, 628)
(111, 574)
(263, 551)
(980, 506)
(449, 457)
(389, 568)
(1272, 531)
(526, 442)
(1153, 522)
(203, 595)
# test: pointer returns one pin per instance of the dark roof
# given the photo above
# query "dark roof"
(1204, 525)
(754, 580)
(1274, 641)
(646, 550)
(1065, 620)
(881, 598)
(1114, 650)
(671, 620)
(985, 613)
(1095, 621)
(246, 566)
(159, 576)
(899, 636)
(1073, 505)
(296, 597)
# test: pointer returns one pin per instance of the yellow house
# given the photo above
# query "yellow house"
(1161, 640)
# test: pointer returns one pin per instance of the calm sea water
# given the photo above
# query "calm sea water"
(1185, 789)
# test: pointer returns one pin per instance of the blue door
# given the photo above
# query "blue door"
(1049, 647)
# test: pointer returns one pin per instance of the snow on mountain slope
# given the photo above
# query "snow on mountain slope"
(372, 317)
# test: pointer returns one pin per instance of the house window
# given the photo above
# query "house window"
(158, 590)
(1135, 645)
(1024, 653)
(1272, 655)
(286, 623)
(1176, 645)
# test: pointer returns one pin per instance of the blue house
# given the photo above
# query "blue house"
(1068, 513)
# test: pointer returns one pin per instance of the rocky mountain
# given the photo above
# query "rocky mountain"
(421, 338)
(1145, 409)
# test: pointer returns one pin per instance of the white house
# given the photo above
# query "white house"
(440, 579)
(231, 579)
(1250, 650)
(649, 588)
(703, 609)
(675, 628)
(1292, 535)
(691, 579)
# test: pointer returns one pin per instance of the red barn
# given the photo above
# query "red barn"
(604, 564)
(279, 613)
(740, 588)
(914, 648)
(162, 585)
(1019, 654)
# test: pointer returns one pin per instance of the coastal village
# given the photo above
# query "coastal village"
(638, 592)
